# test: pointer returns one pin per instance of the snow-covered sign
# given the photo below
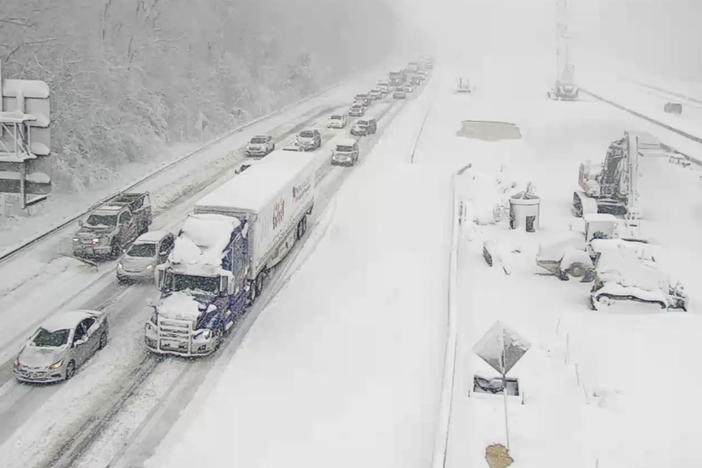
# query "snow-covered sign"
(501, 347)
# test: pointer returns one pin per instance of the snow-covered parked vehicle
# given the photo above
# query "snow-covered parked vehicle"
(60, 345)
(224, 251)
(139, 262)
(260, 145)
(113, 226)
(621, 275)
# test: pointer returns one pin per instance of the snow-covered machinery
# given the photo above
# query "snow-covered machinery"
(564, 89)
(622, 275)
(612, 186)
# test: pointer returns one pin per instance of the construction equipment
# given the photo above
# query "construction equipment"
(564, 89)
(612, 187)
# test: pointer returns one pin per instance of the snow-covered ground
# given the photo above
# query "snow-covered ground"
(612, 388)
(344, 366)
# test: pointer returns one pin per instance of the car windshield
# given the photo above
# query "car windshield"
(142, 250)
(362, 123)
(336, 117)
(45, 338)
(258, 140)
(307, 134)
(208, 284)
(101, 220)
(344, 149)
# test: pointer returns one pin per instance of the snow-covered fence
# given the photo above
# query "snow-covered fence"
(448, 381)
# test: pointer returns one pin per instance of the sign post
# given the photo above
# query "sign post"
(502, 347)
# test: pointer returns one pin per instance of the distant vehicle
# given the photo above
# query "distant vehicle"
(337, 121)
(345, 152)
(226, 249)
(260, 145)
(60, 345)
(399, 94)
(309, 140)
(407, 89)
(413, 66)
(357, 111)
(463, 85)
(149, 251)
(621, 276)
(361, 97)
(673, 108)
(416, 81)
(396, 78)
(376, 94)
(364, 127)
(113, 226)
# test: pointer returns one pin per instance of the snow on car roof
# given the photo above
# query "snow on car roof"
(253, 189)
(599, 217)
(68, 319)
(151, 236)
(346, 142)
(202, 239)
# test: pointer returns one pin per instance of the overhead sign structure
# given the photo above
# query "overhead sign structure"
(502, 347)
(25, 139)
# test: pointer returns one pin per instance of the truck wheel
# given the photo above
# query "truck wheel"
(258, 285)
(301, 227)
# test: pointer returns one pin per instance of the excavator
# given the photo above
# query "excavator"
(612, 186)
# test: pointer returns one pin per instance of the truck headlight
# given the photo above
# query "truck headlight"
(120, 266)
(203, 335)
(96, 240)
(16, 363)
(149, 266)
(75, 239)
(56, 365)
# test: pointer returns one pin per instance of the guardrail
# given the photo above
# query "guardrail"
(12, 250)
(638, 114)
(441, 440)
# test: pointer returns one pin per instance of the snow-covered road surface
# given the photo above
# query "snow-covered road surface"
(344, 366)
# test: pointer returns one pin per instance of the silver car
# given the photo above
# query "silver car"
(60, 345)
(146, 253)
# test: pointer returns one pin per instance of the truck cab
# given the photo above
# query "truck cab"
(203, 287)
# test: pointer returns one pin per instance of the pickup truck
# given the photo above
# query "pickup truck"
(113, 226)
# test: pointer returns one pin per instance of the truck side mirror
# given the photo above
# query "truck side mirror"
(231, 287)
(160, 277)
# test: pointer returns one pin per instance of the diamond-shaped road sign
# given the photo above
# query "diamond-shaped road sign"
(501, 347)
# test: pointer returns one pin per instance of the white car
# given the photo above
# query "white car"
(147, 252)
(60, 345)
(309, 140)
(337, 121)
(260, 146)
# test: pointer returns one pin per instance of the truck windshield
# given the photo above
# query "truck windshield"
(45, 338)
(142, 250)
(101, 220)
(209, 284)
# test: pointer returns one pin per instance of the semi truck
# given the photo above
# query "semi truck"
(224, 251)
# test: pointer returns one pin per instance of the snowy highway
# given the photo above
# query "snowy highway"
(114, 394)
